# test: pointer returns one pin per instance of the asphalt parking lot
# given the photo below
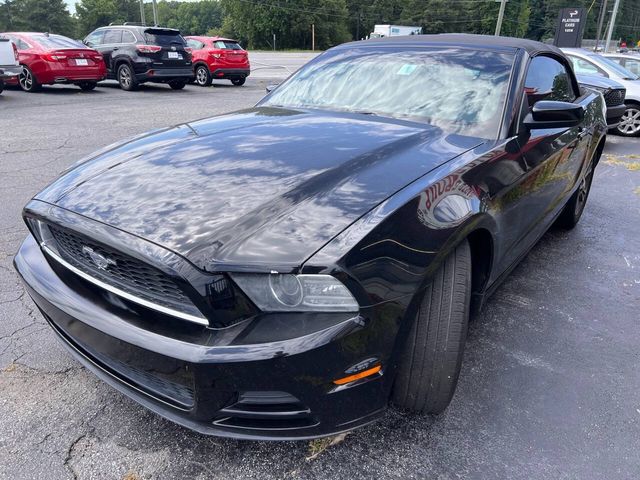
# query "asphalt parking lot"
(550, 380)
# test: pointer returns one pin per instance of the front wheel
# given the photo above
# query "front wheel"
(238, 82)
(432, 356)
(177, 84)
(1, 85)
(572, 211)
(203, 76)
(629, 125)
(28, 81)
(87, 86)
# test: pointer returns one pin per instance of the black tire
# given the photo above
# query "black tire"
(629, 125)
(432, 358)
(177, 84)
(572, 211)
(238, 82)
(203, 76)
(28, 81)
(127, 78)
(1, 86)
(87, 86)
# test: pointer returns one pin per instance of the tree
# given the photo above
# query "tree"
(255, 22)
(36, 15)
(92, 14)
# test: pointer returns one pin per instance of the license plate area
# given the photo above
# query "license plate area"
(82, 62)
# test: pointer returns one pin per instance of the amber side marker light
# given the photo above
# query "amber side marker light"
(358, 376)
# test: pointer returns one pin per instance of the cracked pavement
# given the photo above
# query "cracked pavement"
(550, 380)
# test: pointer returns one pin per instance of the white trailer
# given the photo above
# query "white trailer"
(394, 31)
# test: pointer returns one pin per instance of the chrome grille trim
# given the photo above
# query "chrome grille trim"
(121, 293)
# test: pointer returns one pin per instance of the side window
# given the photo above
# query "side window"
(585, 67)
(547, 79)
(94, 38)
(112, 36)
(219, 44)
(21, 44)
(128, 37)
(195, 44)
(632, 65)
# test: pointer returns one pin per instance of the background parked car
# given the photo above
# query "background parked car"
(9, 66)
(613, 93)
(135, 54)
(48, 58)
(218, 58)
(629, 61)
(589, 63)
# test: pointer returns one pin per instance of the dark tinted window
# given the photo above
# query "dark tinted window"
(112, 36)
(164, 39)
(548, 79)
(57, 41)
(95, 38)
(227, 45)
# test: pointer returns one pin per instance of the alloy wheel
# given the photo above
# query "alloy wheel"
(202, 76)
(630, 121)
(583, 191)
(26, 79)
(125, 78)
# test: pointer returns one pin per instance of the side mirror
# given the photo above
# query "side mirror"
(552, 114)
(271, 88)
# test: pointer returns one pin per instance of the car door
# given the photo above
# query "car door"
(111, 43)
(552, 159)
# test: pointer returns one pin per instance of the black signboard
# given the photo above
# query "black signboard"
(571, 23)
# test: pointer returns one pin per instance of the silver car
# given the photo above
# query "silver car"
(9, 65)
(586, 62)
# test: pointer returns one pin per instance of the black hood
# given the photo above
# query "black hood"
(264, 187)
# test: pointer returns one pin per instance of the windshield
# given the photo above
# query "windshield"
(461, 91)
(616, 67)
(57, 42)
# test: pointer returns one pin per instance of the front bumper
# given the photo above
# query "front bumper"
(614, 114)
(242, 387)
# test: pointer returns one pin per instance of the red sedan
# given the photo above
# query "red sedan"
(47, 59)
(218, 58)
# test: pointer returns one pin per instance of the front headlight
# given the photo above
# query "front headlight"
(296, 293)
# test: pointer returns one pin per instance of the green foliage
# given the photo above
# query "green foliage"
(254, 22)
(36, 15)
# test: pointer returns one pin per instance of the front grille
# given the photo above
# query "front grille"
(614, 97)
(123, 272)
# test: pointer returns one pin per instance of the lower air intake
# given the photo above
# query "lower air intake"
(266, 411)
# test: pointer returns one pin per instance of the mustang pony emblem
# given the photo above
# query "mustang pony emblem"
(98, 259)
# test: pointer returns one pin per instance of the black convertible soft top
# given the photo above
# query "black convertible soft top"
(465, 39)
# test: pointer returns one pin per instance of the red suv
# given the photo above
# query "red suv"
(47, 59)
(216, 57)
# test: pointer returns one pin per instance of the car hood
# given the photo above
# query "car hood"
(265, 187)
(595, 81)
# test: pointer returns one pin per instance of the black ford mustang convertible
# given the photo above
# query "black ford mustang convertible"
(289, 270)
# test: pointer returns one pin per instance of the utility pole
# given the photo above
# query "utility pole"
(603, 11)
(313, 37)
(503, 3)
(142, 19)
(274, 42)
(611, 25)
(155, 13)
